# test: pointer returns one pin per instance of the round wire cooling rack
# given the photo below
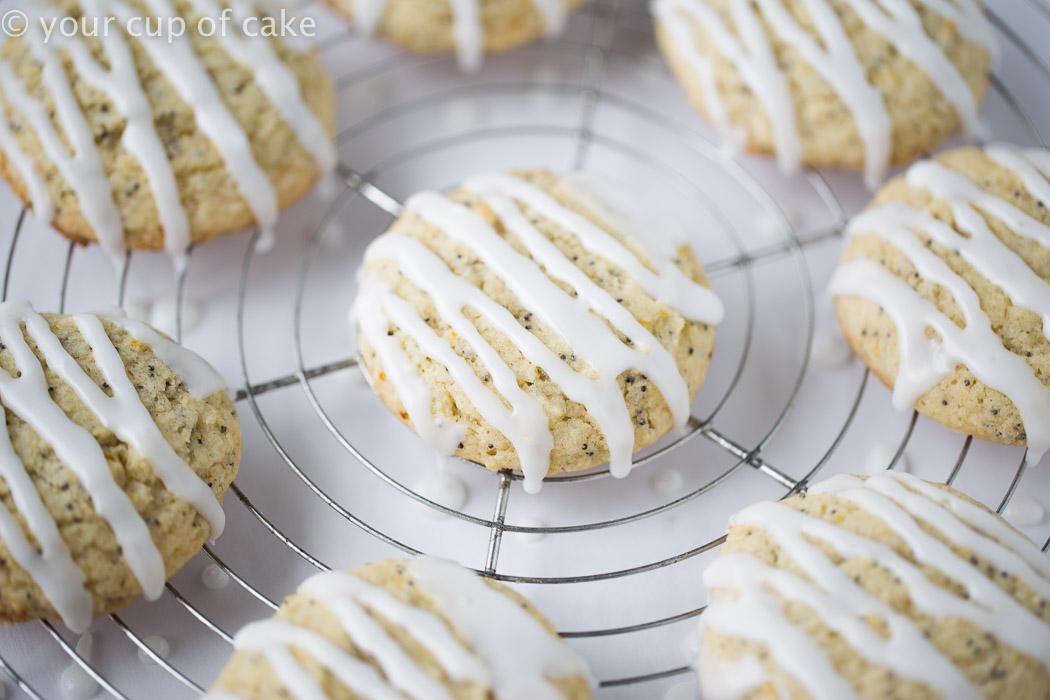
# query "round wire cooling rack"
(335, 480)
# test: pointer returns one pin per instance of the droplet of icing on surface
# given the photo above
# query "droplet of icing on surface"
(462, 114)
(879, 457)
(830, 350)
(137, 309)
(329, 187)
(691, 645)
(266, 241)
(1024, 511)
(368, 95)
(668, 482)
(530, 537)
(772, 227)
(214, 578)
(77, 684)
(542, 79)
(335, 234)
(442, 488)
(163, 316)
(159, 645)
(687, 690)
(75, 681)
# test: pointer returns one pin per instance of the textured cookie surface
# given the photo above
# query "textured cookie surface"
(422, 628)
(431, 25)
(514, 324)
(190, 167)
(885, 91)
(954, 318)
(139, 439)
(884, 587)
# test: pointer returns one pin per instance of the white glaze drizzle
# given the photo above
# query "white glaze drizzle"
(900, 501)
(81, 168)
(749, 48)
(179, 63)
(520, 652)
(27, 396)
(197, 375)
(277, 81)
(53, 568)
(43, 206)
(508, 649)
(272, 639)
(668, 284)
(467, 30)
(924, 362)
(525, 423)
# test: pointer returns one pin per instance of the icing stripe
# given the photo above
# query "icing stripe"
(668, 284)
(749, 48)
(467, 30)
(82, 168)
(119, 80)
(370, 312)
(521, 653)
(839, 603)
(51, 565)
(28, 396)
(900, 502)
(924, 362)
(526, 423)
(39, 197)
(1032, 165)
(508, 649)
(126, 415)
(277, 81)
(272, 638)
(200, 378)
(756, 615)
(576, 316)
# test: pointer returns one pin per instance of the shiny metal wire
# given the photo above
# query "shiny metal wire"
(596, 56)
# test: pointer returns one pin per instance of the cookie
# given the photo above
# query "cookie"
(944, 292)
(885, 587)
(536, 323)
(118, 449)
(836, 83)
(186, 138)
(422, 628)
(468, 27)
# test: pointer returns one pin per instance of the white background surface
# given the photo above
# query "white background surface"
(416, 123)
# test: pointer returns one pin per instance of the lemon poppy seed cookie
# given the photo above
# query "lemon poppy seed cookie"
(885, 587)
(468, 27)
(159, 142)
(535, 323)
(944, 292)
(851, 83)
(423, 628)
(118, 447)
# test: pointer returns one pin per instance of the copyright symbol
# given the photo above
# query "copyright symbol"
(14, 23)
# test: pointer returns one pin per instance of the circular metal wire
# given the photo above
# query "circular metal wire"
(596, 56)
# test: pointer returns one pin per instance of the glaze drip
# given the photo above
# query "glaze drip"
(27, 396)
(601, 356)
(923, 361)
(467, 29)
(901, 502)
(748, 46)
(495, 642)
(79, 162)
